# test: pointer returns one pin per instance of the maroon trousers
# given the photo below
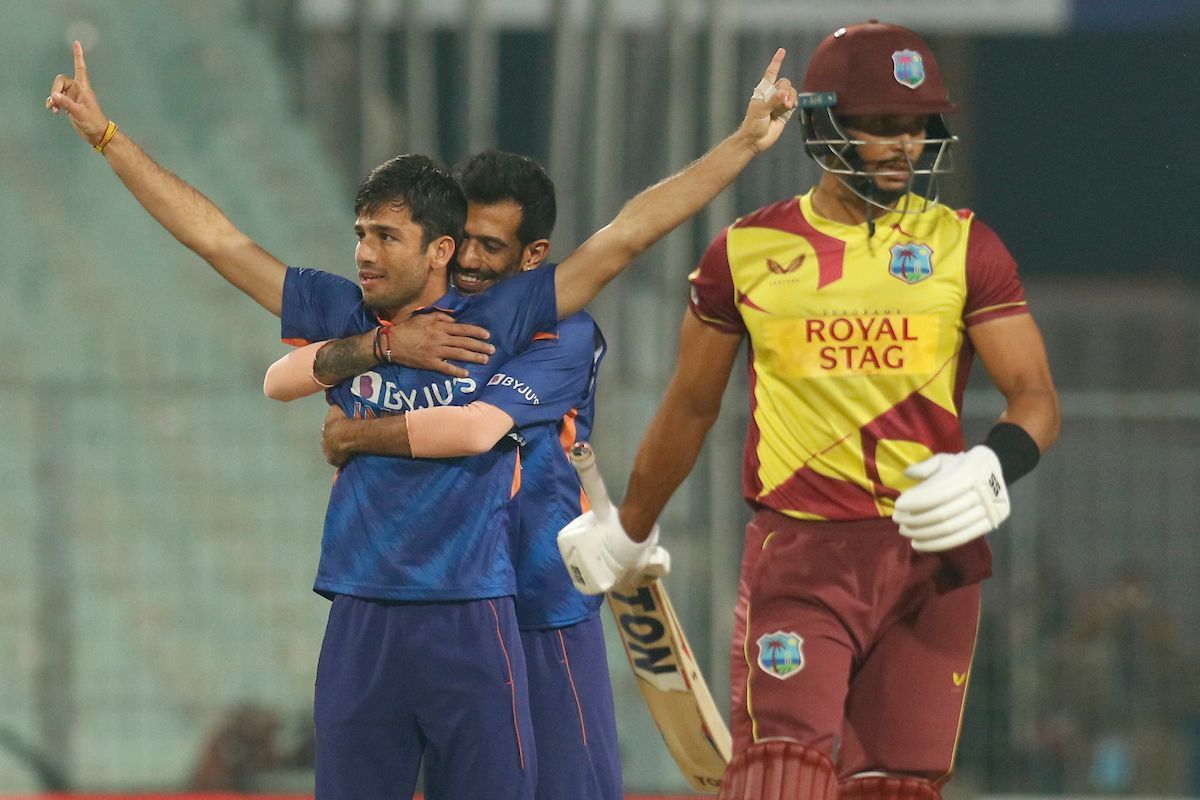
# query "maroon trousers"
(843, 641)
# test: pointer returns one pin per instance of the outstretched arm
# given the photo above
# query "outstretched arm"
(672, 443)
(658, 210)
(187, 215)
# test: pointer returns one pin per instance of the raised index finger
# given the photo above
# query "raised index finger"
(773, 68)
(80, 65)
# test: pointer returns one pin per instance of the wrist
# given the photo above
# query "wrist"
(338, 434)
(381, 345)
(637, 526)
(745, 144)
(1016, 450)
(106, 137)
(626, 550)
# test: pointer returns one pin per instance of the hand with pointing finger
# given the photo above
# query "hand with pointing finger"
(74, 95)
(771, 105)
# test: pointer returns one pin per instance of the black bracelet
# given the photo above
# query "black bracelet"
(1016, 449)
(375, 349)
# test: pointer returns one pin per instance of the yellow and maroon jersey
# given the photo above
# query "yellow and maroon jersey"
(858, 346)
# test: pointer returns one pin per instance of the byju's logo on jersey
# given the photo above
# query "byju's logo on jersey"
(908, 68)
(520, 387)
(372, 388)
(911, 262)
(367, 386)
(780, 654)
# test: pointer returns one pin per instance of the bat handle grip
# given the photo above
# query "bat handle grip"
(584, 459)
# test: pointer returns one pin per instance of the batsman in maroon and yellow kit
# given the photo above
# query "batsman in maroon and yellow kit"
(864, 301)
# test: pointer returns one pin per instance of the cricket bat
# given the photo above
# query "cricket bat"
(662, 662)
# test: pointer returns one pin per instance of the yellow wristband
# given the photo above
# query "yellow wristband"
(109, 133)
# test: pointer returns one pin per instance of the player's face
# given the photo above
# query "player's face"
(393, 268)
(490, 251)
(893, 144)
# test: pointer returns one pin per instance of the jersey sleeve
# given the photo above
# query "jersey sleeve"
(317, 305)
(527, 305)
(993, 288)
(713, 296)
(551, 377)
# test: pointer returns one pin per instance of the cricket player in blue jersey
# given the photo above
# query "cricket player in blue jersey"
(421, 655)
(510, 216)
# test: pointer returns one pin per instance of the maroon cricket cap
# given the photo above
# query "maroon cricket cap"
(877, 68)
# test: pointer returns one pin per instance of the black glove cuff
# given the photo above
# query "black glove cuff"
(1016, 449)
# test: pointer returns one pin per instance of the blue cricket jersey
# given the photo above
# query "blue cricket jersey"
(550, 392)
(418, 529)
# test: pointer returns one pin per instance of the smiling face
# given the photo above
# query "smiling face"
(396, 270)
(491, 250)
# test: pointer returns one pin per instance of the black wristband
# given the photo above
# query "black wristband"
(1016, 449)
(376, 350)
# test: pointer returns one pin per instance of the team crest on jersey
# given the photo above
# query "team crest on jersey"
(911, 262)
(367, 386)
(908, 68)
(780, 654)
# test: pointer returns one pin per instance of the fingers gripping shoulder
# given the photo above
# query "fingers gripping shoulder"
(960, 497)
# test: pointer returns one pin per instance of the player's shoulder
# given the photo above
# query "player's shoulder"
(581, 323)
(980, 232)
(578, 331)
(523, 282)
(323, 279)
(318, 291)
(783, 215)
(582, 333)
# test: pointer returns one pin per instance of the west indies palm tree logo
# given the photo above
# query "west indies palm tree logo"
(779, 654)
(911, 262)
(908, 68)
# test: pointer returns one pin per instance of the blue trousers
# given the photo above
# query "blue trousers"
(574, 721)
(402, 682)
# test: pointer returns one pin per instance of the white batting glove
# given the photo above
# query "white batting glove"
(960, 497)
(600, 556)
(656, 565)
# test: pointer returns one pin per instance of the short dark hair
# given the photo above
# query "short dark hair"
(494, 176)
(426, 188)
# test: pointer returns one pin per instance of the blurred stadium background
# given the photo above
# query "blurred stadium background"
(159, 518)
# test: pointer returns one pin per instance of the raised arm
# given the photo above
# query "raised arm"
(187, 215)
(658, 210)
